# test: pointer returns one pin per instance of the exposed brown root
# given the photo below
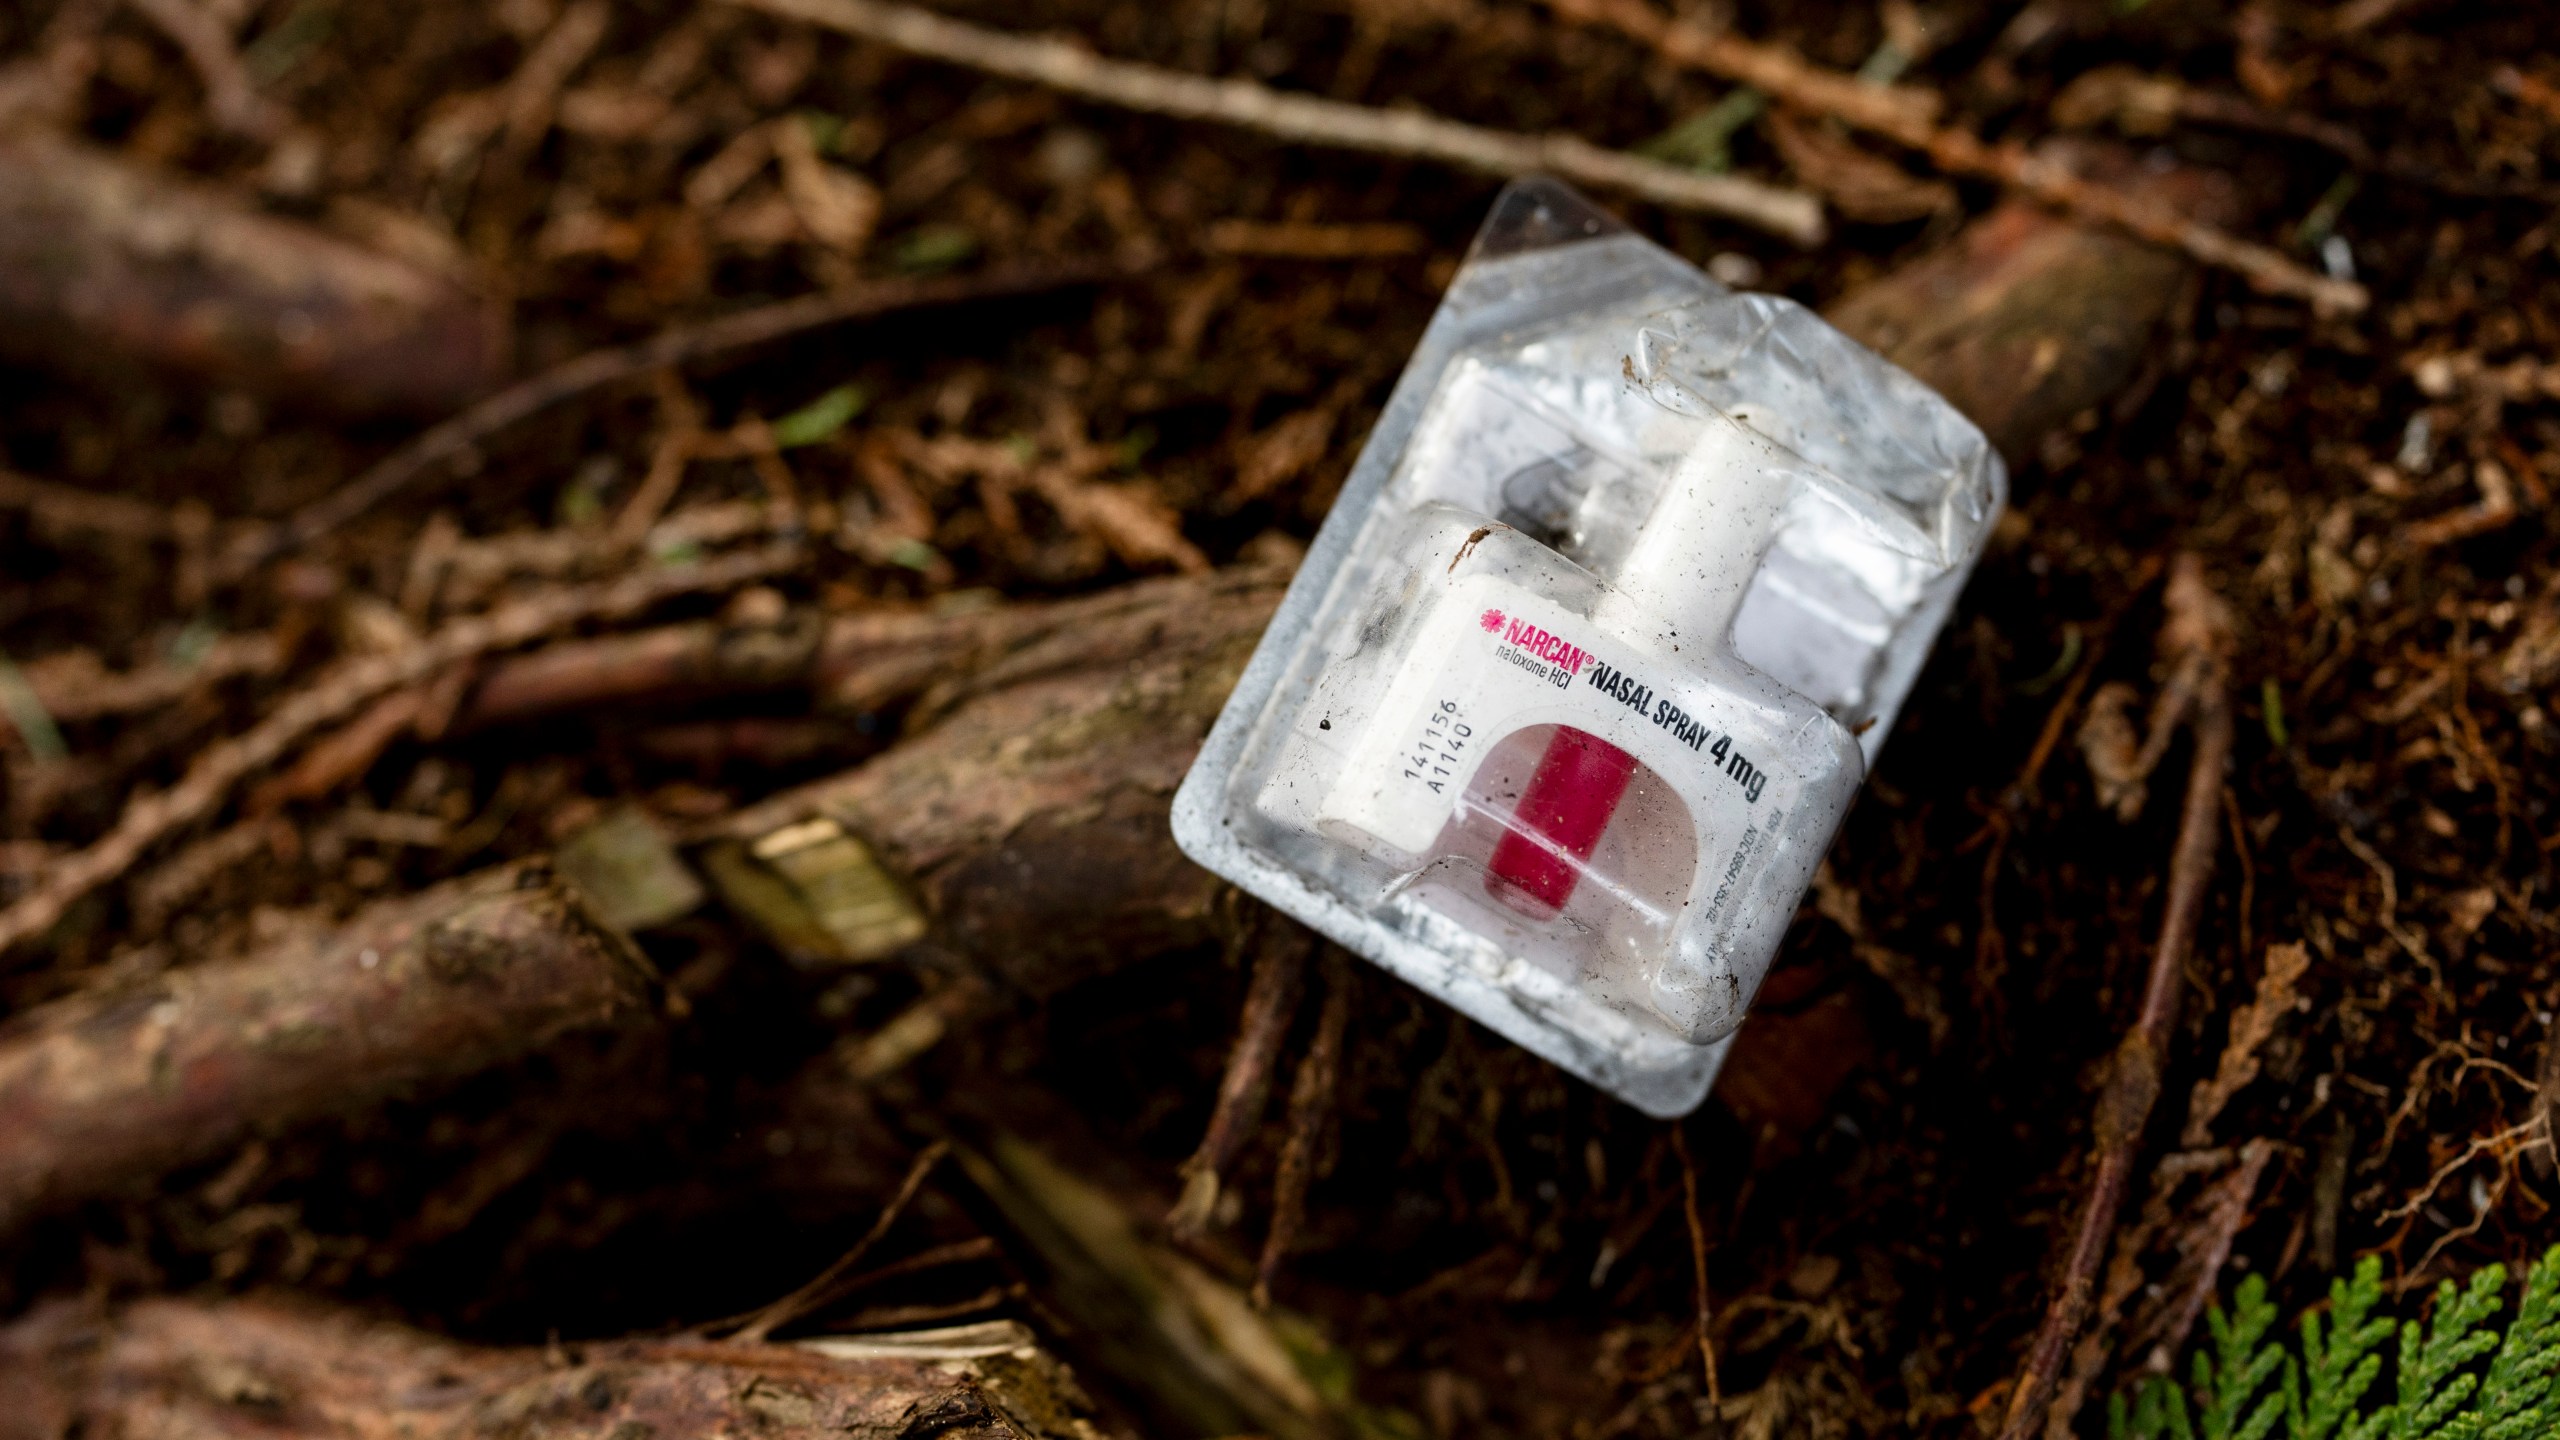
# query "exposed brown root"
(1280, 950)
(1310, 1113)
(2196, 634)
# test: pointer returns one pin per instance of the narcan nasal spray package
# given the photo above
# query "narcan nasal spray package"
(1591, 656)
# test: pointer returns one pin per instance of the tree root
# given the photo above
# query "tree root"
(114, 1086)
(2195, 640)
(290, 1370)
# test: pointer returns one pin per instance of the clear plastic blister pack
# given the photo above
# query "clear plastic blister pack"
(1591, 656)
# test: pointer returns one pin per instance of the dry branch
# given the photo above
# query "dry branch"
(869, 660)
(1270, 1003)
(294, 1370)
(231, 97)
(2027, 317)
(1310, 1115)
(2143, 105)
(107, 267)
(829, 1284)
(1025, 815)
(677, 345)
(73, 685)
(114, 1086)
(1305, 119)
(342, 691)
(2197, 632)
(1794, 82)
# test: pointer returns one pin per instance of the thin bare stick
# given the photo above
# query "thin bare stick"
(676, 345)
(1698, 1262)
(1803, 86)
(230, 96)
(340, 692)
(1270, 1003)
(2222, 1212)
(2143, 104)
(1305, 119)
(1310, 1107)
(44, 85)
(74, 685)
(666, 472)
(76, 509)
(2133, 1078)
(823, 1288)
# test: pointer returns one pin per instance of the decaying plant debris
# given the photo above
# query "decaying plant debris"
(603, 602)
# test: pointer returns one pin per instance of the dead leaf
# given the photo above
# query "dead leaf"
(2114, 751)
(1858, 184)
(2118, 95)
(838, 208)
(345, 753)
(2470, 909)
(2252, 1025)
(1130, 519)
(1280, 454)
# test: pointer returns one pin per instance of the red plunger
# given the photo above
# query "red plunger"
(1571, 795)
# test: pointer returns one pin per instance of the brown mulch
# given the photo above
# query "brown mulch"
(1497, 1248)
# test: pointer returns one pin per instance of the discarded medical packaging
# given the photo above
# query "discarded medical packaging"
(1591, 656)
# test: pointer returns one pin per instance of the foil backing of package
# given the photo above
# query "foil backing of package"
(1594, 651)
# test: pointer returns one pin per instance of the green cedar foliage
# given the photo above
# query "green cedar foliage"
(2327, 1392)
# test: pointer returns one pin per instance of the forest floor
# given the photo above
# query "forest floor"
(1489, 1246)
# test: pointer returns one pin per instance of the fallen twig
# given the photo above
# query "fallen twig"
(72, 509)
(1698, 1262)
(74, 686)
(2029, 317)
(827, 1285)
(2159, 1336)
(106, 266)
(2196, 625)
(676, 345)
(2142, 104)
(865, 661)
(1270, 1003)
(296, 1370)
(115, 1086)
(230, 97)
(1310, 1111)
(339, 693)
(1306, 119)
(1807, 87)
(2124, 1280)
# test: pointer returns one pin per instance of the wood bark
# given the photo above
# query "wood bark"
(288, 1370)
(2028, 317)
(850, 664)
(107, 267)
(1027, 814)
(108, 1088)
